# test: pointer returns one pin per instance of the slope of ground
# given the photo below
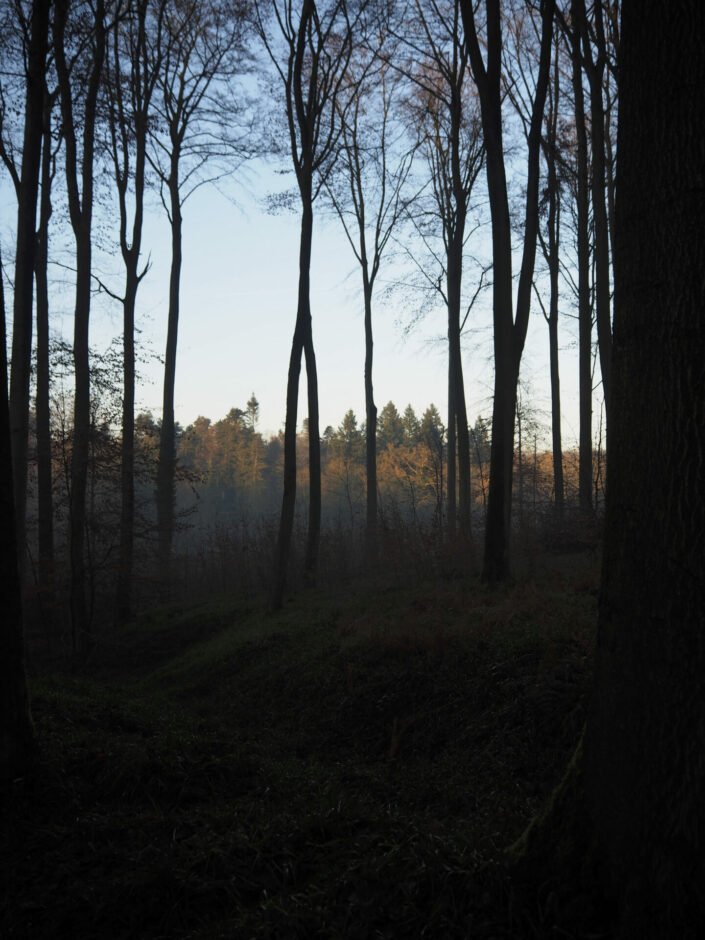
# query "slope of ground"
(352, 766)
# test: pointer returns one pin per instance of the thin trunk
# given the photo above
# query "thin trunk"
(127, 451)
(603, 306)
(371, 548)
(313, 536)
(131, 256)
(27, 197)
(451, 484)
(457, 420)
(553, 224)
(302, 328)
(81, 435)
(166, 467)
(45, 502)
(81, 212)
(17, 742)
(464, 475)
(455, 366)
(584, 307)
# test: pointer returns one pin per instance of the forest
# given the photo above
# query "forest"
(421, 673)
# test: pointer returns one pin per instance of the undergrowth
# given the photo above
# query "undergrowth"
(352, 766)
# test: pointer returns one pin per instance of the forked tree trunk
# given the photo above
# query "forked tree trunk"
(509, 333)
(301, 331)
(27, 196)
(645, 739)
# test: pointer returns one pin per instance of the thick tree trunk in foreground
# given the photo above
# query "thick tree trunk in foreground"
(645, 740)
(17, 745)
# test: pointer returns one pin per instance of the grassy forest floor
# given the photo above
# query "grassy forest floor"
(352, 766)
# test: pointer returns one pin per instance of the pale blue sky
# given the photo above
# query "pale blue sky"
(238, 305)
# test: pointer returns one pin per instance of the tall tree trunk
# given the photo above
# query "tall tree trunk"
(464, 476)
(553, 224)
(81, 435)
(81, 212)
(131, 256)
(584, 306)
(458, 456)
(509, 334)
(457, 413)
(645, 738)
(451, 455)
(45, 502)
(603, 307)
(166, 467)
(127, 449)
(371, 545)
(313, 536)
(17, 743)
(301, 331)
(27, 197)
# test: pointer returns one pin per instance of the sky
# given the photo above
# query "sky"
(238, 308)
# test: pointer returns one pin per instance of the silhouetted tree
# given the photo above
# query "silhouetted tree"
(17, 744)
(133, 65)
(445, 112)
(34, 28)
(509, 329)
(311, 57)
(368, 196)
(79, 49)
(196, 130)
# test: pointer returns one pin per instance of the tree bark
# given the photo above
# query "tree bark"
(645, 738)
(553, 225)
(17, 742)
(603, 305)
(27, 197)
(371, 545)
(313, 536)
(142, 86)
(45, 502)
(583, 239)
(301, 332)
(166, 467)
